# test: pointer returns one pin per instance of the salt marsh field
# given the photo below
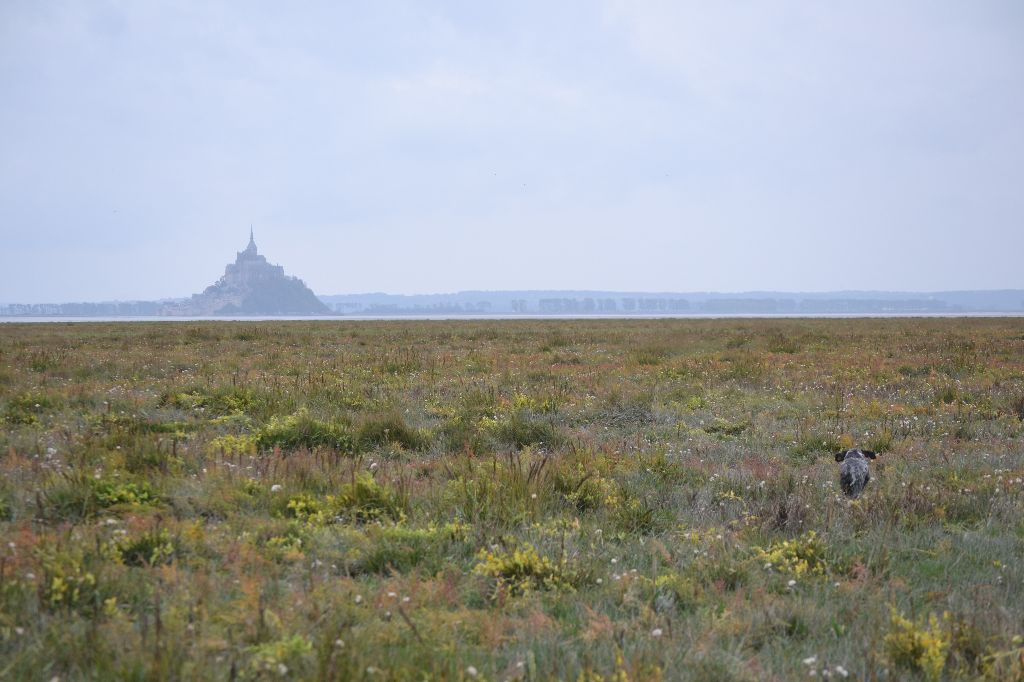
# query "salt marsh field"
(531, 499)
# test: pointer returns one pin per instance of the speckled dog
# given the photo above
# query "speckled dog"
(853, 472)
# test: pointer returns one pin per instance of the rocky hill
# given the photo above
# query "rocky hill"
(252, 286)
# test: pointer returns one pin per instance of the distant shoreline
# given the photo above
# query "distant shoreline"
(56, 319)
(527, 304)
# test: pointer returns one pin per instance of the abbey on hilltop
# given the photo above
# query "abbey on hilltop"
(252, 286)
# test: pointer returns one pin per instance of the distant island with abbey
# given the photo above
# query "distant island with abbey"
(251, 286)
(254, 287)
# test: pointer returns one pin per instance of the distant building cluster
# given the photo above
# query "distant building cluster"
(372, 304)
(249, 287)
(610, 306)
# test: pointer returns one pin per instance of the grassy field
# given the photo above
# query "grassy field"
(575, 500)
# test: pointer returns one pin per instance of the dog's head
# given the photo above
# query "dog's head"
(843, 454)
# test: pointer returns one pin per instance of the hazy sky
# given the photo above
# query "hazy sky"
(415, 147)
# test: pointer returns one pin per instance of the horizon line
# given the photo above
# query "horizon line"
(625, 292)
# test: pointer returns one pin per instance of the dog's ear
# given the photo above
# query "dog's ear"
(868, 453)
(841, 455)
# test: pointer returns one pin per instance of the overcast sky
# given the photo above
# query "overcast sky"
(416, 147)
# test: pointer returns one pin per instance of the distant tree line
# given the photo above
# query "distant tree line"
(111, 309)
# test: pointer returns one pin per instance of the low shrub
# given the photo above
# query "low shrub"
(213, 401)
(288, 657)
(523, 569)
(361, 501)
(723, 427)
(921, 646)
(151, 548)
(800, 557)
(26, 408)
(69, 581)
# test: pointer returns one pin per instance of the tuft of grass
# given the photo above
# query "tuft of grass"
(1017, 406)
(300, 430)
(76, 496)
(389, 428)
(814, 446)
(780, 343)
(724, 427)
(522, 429)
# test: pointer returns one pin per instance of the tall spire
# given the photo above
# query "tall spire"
(251, 248)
